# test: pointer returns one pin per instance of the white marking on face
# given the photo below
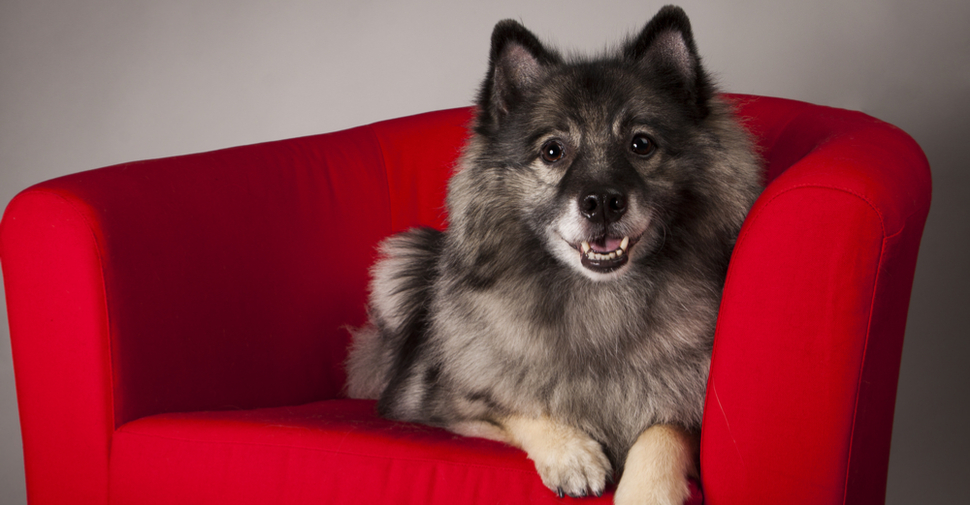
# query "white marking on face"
(570, 230)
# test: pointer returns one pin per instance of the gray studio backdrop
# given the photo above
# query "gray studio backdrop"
(93, 83)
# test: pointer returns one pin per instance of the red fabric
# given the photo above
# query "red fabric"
(332, 449)
(52, 275)
(329, 449)
(806, 359)
(417, 184)
(219, 285)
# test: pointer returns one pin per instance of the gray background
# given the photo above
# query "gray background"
(92, 83)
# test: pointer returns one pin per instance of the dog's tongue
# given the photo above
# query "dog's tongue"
(605, 245)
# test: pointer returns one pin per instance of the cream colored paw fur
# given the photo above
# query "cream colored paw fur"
(658, 467)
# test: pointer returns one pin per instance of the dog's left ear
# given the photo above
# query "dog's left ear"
(665, 48)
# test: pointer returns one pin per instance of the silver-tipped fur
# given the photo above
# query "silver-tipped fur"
(569, 308)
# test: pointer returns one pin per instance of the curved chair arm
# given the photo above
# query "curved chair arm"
(806, 356)
(213, 281)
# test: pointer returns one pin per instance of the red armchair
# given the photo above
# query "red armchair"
(178, 325)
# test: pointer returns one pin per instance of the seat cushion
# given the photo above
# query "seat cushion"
(336, 451)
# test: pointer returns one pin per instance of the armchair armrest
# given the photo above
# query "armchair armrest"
(221, 280)
(806, 359)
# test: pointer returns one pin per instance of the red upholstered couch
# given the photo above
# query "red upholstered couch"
(178, 325)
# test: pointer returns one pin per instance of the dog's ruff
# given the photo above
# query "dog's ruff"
(569, 308)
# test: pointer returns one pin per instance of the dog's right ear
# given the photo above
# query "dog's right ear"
(517, 62)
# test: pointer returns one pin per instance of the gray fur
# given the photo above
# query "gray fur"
(498, 316)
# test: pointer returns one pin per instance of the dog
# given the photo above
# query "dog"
(569, 308)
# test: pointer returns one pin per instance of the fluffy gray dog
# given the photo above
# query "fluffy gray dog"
(569, 308)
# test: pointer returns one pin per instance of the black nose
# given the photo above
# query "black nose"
(603, 204)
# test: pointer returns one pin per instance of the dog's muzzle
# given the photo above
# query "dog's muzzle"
(604, 206)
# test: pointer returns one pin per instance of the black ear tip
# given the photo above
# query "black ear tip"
(507, 25)
(672, 10)
(672, 17)
(504, 31)
(511, 31)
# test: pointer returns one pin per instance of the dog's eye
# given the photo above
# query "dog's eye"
(642, 145)
(552, 151)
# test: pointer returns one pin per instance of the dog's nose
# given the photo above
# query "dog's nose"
(603, 204)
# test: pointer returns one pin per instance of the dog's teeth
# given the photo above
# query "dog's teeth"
(588, 252)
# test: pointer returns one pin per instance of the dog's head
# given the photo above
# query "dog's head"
(599, 155)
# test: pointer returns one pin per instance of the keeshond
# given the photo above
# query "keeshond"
(569, 307)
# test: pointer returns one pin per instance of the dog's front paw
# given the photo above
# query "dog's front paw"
(572, 465)
(568, 460)
(657, 468)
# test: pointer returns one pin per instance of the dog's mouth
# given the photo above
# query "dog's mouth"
(605, 254)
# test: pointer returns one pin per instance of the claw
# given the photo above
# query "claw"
(559, 492)
(582, 494)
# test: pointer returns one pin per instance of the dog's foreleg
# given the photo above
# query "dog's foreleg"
(567, 459)
(658, 467)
